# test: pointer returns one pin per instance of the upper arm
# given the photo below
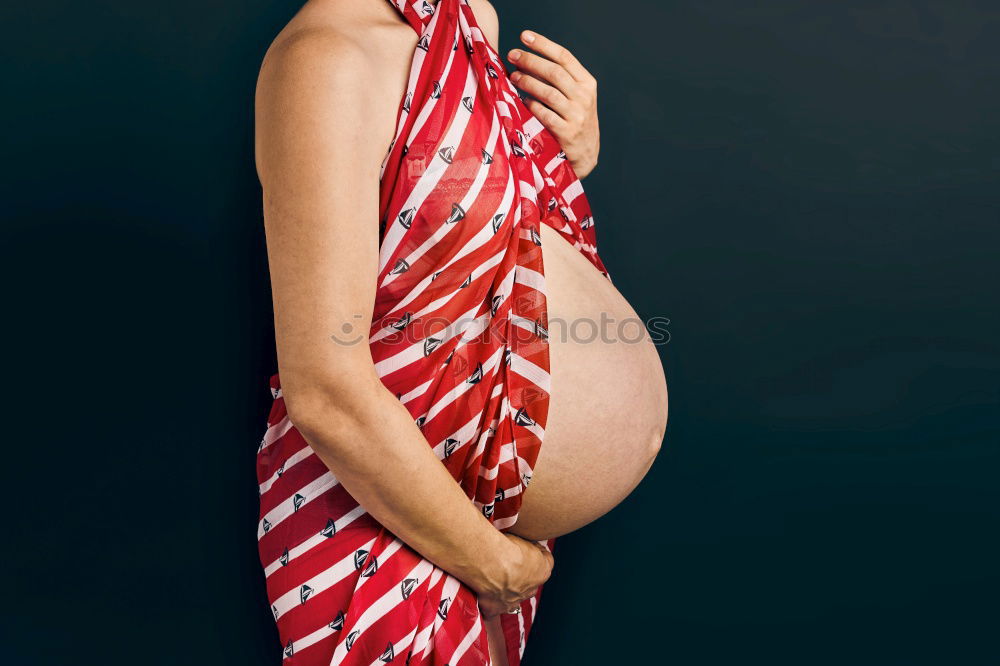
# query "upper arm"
(320, 139)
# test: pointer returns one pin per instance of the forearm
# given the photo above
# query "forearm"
(371, 444)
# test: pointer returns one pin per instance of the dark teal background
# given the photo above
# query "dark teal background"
(810, 191)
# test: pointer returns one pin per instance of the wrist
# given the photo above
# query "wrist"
(583, 170)
(491, 572)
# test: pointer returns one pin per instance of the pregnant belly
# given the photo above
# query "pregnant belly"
(608, 404)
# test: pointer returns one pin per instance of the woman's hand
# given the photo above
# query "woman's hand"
(565, 98)
(528, 565)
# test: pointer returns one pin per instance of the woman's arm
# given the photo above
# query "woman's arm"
(322, 127)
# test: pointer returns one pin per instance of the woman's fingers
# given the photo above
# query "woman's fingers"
(564, 97)
(544, 69)
(557, 67)
(548, 95)
(547, 117)
(557, 53)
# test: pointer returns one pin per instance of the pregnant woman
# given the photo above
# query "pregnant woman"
(459, 383)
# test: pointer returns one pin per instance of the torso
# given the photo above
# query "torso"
(608, 404)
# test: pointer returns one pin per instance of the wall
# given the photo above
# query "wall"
(807, 190)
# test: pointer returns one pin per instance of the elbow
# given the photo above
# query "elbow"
(305, 408)
(329, 413)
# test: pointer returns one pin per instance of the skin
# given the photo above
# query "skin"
(326, 101)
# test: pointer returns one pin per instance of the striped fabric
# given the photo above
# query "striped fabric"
(459, 335)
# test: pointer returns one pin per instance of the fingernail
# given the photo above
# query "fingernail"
(514, 76)
(528, 37)
(514, 55)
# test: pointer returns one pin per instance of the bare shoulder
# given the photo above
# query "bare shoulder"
(341, 64)
(486, 17)
(358, 40)
(336, 63)
(297, 58)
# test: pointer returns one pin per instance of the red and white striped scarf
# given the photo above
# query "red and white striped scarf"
(459, 334)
